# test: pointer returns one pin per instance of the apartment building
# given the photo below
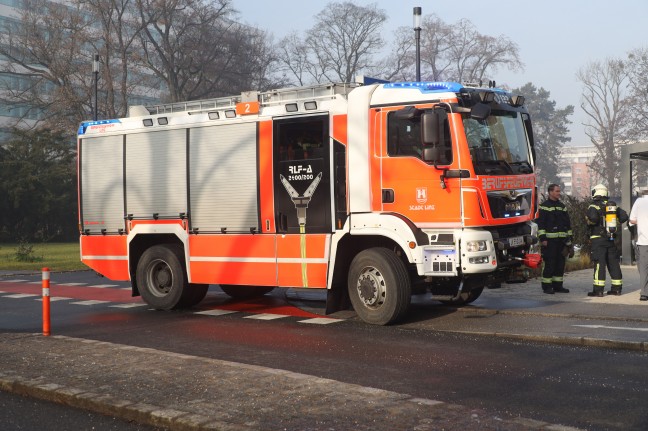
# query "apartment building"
(578, 178)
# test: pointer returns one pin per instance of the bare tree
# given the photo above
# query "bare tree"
(637, 67)
(198, 51)
(550, 131)
(46, 74)
(180, 39)
(293, 57)
(607, 127)
(116, 41)
(341, 44)
(50, 52)
(455, 52)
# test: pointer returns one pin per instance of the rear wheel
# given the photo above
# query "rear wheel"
(245, 292)
(161, 277)
(194, 294)
(379, 286)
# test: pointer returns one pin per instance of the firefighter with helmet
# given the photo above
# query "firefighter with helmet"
(604, 219)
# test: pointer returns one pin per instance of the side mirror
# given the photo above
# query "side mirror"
(432, 126)
(431, 154)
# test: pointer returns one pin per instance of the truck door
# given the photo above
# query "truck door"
(409, 185)
(302, 191)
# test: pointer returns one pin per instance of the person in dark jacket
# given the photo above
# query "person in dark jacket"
(555, 234)
(604, 220)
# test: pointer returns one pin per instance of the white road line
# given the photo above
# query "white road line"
(20, 295)
(320, 321)
(70, 284)
(215, 312)
(129, 305)
(13, 281)
(612, 327)
(57, 298)
(36, 282)
(103, 286)
(266, 316)
(91, 302)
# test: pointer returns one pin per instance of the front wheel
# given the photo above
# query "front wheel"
(379, 286)
(161, 277)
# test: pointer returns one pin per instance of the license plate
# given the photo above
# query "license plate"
(516, 241)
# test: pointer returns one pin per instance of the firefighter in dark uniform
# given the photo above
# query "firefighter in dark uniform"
(555, 235)
(604, 219)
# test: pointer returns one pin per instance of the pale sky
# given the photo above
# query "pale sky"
(555, 37)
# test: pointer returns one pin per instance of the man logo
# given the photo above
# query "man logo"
(421, 195)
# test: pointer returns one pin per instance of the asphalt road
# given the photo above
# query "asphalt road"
(23, 413)
(585, 387)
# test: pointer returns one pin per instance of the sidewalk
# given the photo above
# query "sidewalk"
(524, 311)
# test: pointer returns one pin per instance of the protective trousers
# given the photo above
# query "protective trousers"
(553, 264)
(605, 254)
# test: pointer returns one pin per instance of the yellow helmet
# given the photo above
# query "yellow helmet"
(600, 190)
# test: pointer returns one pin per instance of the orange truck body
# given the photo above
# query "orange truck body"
(286, 188)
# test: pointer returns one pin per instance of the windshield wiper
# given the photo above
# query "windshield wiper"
(501, 164)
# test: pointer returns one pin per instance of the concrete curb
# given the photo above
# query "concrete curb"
(562, 340)
(492, 312)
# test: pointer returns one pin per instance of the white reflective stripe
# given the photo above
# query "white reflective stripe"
(300, 260)
(440, 225)
(104, 257)
(260, 259)
(233, 259)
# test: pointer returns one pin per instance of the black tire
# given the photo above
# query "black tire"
(245, 292)
(466, 297)
(194, 294)
(379, 286)
(161, 277)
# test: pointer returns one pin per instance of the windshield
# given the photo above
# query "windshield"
(498, 145)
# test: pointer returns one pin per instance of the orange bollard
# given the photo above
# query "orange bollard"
(46, 302)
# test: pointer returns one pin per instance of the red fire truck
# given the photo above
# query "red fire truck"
(373, 192)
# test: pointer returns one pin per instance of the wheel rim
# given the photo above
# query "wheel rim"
(371, 287)
(159, 278)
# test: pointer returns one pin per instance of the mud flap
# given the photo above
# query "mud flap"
(337, 299)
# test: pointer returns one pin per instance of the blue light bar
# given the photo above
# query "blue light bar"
(428, 87)
(85, 124)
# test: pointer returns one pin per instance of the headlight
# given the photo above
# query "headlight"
(472, 246)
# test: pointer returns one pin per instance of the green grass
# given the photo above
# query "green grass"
(55, 256)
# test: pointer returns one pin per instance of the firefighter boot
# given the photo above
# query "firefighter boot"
(615, 290)
(558, 285)
(597, 292)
